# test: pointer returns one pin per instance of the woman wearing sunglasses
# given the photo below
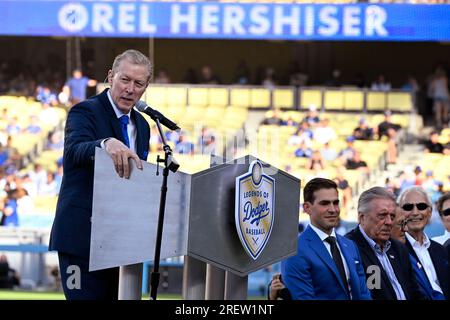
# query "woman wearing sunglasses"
(443, 207)
(430, 255)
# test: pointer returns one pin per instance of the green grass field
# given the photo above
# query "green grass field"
(33, 295)
(30, 295)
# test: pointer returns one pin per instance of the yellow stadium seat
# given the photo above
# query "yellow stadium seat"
(399, 101)
(198, 96)
(214, 116)
(218, 97)
(376, 101)
(353, 100)
(240, 97)
(44, 204)
(445, 132)
(175, 112)
(156, 96)
(283, 98)
(334, 99)
(260, 98)
(177, 96)
(295, 115)
(310, 97)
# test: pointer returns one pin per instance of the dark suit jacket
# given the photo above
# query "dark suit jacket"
(399, 257)
(88, 123)
(439, 257)
(313, 275)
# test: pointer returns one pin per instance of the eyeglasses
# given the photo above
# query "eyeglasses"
(410, 206)
(446, 212)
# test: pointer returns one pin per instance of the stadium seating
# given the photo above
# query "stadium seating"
(283, 98)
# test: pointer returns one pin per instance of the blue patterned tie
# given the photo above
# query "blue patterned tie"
(124, 124)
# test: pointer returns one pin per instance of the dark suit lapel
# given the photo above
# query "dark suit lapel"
(115, 124)
(139, 142)
(394, 259)
(439, 266)
(319, 248)
(369, 256)
(411, 249)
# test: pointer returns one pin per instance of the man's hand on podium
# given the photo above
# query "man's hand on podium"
(120, 154)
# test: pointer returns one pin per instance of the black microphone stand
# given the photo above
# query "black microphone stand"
(169, 164)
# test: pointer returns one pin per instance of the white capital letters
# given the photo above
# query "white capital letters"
(178, 18)
(262, 23)
(145, 26)
(309, 21)
(101, 18)
(352, 21)
(233, 18)
(126, 17)
(375, 19)
(292, 20)
(326, 16)
(210, 19)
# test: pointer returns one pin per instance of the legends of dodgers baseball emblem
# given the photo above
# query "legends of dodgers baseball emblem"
(254, 212)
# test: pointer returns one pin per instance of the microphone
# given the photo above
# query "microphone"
(143, 107)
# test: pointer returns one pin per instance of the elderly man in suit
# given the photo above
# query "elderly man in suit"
(431, 256)
(106, 121)
(399, 233)
(327, 266)
(385, 260)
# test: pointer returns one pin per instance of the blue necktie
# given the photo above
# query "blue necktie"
(124, 124)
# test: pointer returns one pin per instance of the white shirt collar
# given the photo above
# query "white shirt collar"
(416, 244)
(373, 244)
(322, 235)
(116, 110)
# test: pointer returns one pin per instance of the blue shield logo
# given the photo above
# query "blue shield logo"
(255, 209)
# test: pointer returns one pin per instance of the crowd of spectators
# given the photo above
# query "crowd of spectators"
(19, 184)
(314, 130)
(184, 143)
(48, 85)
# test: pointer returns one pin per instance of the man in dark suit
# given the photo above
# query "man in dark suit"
(106, 121)
(327, 266)
(398, 233)
(431, 256)
(385, 260)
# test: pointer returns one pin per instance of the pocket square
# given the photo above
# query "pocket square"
(356, 261)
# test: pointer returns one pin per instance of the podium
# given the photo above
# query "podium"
(200, 219)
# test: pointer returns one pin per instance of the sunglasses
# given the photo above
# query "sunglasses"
(446, 212)
(420, 206)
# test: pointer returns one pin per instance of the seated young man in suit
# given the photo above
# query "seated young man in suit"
(433, 258)
(327, 266)
(385, 260)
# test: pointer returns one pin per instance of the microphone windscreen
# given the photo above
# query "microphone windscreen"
(141, 105)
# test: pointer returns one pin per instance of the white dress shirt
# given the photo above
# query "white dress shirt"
(131, 128)
(443, 238)
(382, 256)
(425, 259)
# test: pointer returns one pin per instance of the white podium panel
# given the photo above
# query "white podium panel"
(125, 215)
